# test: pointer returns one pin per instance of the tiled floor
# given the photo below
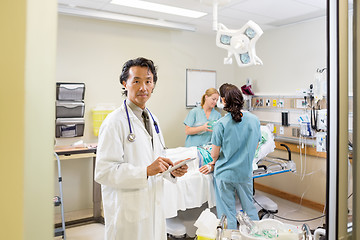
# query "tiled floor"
(286, 209)
(293, 211)
(94, 231)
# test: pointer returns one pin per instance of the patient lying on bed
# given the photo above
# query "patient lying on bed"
(266, 146)
(194, 188)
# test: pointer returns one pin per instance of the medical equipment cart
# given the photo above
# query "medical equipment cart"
(58, 201)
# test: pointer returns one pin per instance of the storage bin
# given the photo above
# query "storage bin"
(70, 109)
(98, 116)
(70, 91)
(69, 127)
(204, 238)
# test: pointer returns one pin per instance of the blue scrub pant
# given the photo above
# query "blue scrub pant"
(225, 200)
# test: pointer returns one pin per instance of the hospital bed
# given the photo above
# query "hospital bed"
(185, 200)
(194, 192)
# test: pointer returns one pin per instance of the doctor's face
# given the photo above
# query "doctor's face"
(139, 85)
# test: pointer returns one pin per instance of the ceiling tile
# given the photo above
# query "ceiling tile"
(241, 15)
(277, 9)
(234, 14)
(316, 3)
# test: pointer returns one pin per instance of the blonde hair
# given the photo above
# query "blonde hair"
(208, 93)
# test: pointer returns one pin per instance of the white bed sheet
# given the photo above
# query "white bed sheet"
(194, 188)
(190, 191)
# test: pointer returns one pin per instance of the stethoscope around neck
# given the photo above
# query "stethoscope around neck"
(131, 137)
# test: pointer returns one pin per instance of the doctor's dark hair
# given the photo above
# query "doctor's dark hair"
(139, 62)
(234, 100)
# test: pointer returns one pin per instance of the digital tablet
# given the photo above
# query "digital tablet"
(170, 169)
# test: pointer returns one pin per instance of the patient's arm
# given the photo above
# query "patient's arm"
(215, 151)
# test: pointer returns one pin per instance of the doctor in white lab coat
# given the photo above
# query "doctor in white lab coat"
(132, 189)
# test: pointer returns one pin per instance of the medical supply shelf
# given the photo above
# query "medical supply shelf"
(72, 153)
(67, 91)
(70, 109)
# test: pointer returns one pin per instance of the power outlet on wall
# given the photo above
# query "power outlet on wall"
(267, 102)
(261, 102)
(281, 103)
(281, 130)
(274, 102)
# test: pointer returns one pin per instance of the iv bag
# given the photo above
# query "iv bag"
(320, 85)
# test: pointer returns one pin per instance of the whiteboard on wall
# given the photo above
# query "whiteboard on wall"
(197, 81)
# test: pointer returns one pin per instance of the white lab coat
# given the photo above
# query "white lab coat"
(132, 201)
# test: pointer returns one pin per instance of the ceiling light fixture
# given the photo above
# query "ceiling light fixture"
(156, 7)
(123, 18)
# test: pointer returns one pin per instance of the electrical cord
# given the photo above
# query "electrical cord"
(313, 118)
(297, 220)
(308, 174)
(287, 219)
(292, 220)
(320, 70)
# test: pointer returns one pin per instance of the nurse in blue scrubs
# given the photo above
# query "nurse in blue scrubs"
(200, 120)
(234, 142)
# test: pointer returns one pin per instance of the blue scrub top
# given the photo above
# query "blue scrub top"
(238, 142)
(195, 118)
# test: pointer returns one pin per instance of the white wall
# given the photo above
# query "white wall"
(291, 55)
(94, 51)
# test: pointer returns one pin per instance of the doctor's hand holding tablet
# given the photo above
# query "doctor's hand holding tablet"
(180, 168)
(165, 165)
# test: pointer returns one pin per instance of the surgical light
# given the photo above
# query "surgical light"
(225, 39)
(245, 58)
(240, 43)
(156, 7)
(250, 33)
